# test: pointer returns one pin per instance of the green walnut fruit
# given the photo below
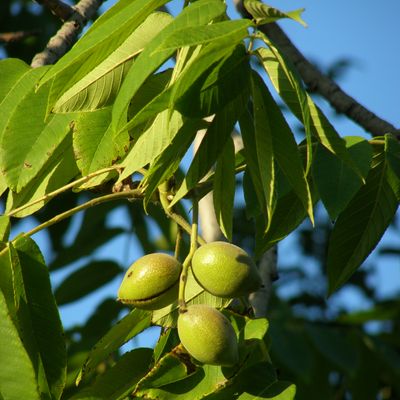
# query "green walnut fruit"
(208, 336)
(151, 282)
(225, 270)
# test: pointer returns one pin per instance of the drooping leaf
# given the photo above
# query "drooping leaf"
(99, 87)
(336, 182)
(86, 280)
(17, 375)
(392, 154)
(284, 78)
(289, 86)
(285, 152)
(57, 171)
(205, 86)
(360, 226)
(224, 188)
(195, 15)
(264, 14)
(11, 71)
(211, 146)
(104, 37)
(125, 329)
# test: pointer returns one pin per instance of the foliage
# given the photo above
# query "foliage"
(125, 103)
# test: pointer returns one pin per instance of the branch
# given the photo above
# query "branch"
(63, 40)
(57, 8)
(317, 82)
(10, 37)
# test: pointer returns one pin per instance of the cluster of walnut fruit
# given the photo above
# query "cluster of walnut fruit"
(222, 269)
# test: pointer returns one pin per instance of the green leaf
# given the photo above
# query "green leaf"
(86, 280)
(167, 163)
(22, 159)
(194, 294)
(288, 84)
(125, 329)
(17, 375)
(103, 38)
(122, 378)
(211, 146)
(360, 226)
(95, 143)
(392, 154)
(264, 14)
(224, 188)
(256, 328)
(11, 71)
(334, 345)
(46, 330)
(100, 86)
(57, 171)
(336, 182)
(288, 215)
(152, 142)
(205, 85)
(4, 228)
(269, 121)
(195, 15)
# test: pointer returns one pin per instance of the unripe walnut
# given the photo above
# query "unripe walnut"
(225, 270)
(208, 335)
(151, 282)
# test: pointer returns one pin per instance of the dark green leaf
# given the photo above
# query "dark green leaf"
(125, 329)
(122, 378)
(336, 182)
(360, 226)
(46, 329)
(289, 86)
(17, 375)
(86, 280)
(224, 188)
(334, 345)
(211, 146)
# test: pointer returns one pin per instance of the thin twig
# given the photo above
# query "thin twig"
(58, 8)
(321, 84)
(134, 194)
(63, 40)
(63, 189)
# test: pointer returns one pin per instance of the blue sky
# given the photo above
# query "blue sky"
(357, 30)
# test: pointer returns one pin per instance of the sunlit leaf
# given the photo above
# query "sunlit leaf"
(104, 37)
(195, 15)
(360, 226)
(11, 71)
(264, 14)
(99, 87)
